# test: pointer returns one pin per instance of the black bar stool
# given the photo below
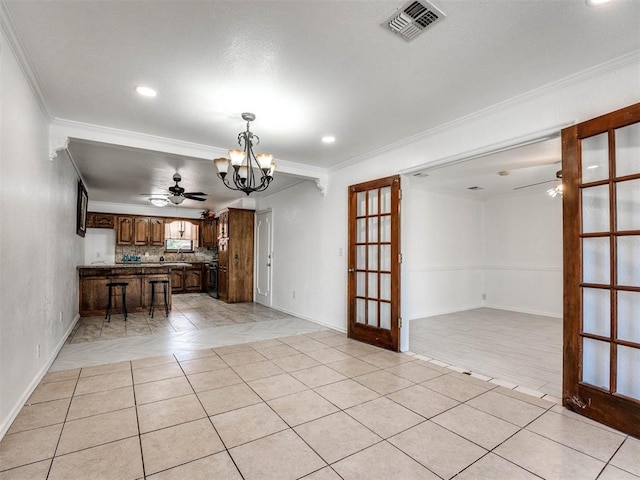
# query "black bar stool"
(165, 296)
(123, 289)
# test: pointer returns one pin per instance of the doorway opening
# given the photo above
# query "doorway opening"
(483, 243)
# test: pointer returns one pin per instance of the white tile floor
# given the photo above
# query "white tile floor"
(516, 348)
(312, 405)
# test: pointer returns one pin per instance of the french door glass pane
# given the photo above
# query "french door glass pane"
(385, 286)
(629, 316)
(385, 200)
(373, 202)
(628, 374)
(385, 228)
(373, 285)
(595, 260)
(629, 261)
(595, 209)
(385, 315)
(628, 205)
(628, 150)
(360, 310)
(361, 200)
(595, 158)
(372, 314)
(361, 279)
(596, 307)
(373, 229)
(361, 230)
(385, 257)
(361, 257)
(595, 362)
(373, 257)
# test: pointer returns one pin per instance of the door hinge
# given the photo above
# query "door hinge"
(399, 322)
(399, 194)
(399, 258)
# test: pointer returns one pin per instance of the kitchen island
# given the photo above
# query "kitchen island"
(94, 293)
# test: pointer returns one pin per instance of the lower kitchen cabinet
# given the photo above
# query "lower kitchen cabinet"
(187, 279)
(94, 293)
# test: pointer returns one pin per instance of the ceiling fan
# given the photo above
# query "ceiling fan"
(176, 194)
(557, 190)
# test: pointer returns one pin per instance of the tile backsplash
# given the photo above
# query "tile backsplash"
(153, 254)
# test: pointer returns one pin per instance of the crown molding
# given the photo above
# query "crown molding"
(555, 86)
(15, 44)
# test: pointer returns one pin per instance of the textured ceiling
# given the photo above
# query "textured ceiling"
(305, 68)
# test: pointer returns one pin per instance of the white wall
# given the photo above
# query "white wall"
(100, 246)
(522, 253)
(299, 250)
(442, 252)
(39, 248)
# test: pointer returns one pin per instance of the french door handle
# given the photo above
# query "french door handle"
(351, 270)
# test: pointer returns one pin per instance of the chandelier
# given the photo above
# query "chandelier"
(251, 173)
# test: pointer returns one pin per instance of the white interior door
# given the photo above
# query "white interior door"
(264, 251)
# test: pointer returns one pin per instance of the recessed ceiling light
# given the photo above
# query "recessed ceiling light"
(328, 139)
(594, 3)
(146, 91)
(591, 167)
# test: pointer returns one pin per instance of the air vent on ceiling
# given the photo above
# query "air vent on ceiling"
(413, 18)
(420, 174)
(475, 188)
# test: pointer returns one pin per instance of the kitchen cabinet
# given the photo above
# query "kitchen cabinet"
(223, 224)
(100, 220)
(177, 280)
(187, 279)
(208, 232)
(124, 230)
(156, 231)
(193, 279)
(140, 230)
(93, 295)
(235, 255)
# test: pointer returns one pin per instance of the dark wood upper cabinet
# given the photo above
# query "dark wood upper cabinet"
(156, 231)
(100, 220)
(208, 233)
(124, 230)
(141, 230)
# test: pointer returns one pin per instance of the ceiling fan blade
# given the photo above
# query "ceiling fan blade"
(191, 197)
(534, 184)
(154, 194)
(196, 193)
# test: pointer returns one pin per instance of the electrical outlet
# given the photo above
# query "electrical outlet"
(61, 317)
(484, 296)
(340, 252)
(38, 351)
(294, 294)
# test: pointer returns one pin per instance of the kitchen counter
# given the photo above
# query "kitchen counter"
(93, 290)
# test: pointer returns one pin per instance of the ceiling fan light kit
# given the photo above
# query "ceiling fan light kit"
(250, 172)
(176, 194)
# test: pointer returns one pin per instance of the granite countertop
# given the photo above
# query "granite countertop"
(140, 265)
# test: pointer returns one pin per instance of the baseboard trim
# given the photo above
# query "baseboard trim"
(6, 424)
(326, 325)
(522, 310)
(446, 312)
